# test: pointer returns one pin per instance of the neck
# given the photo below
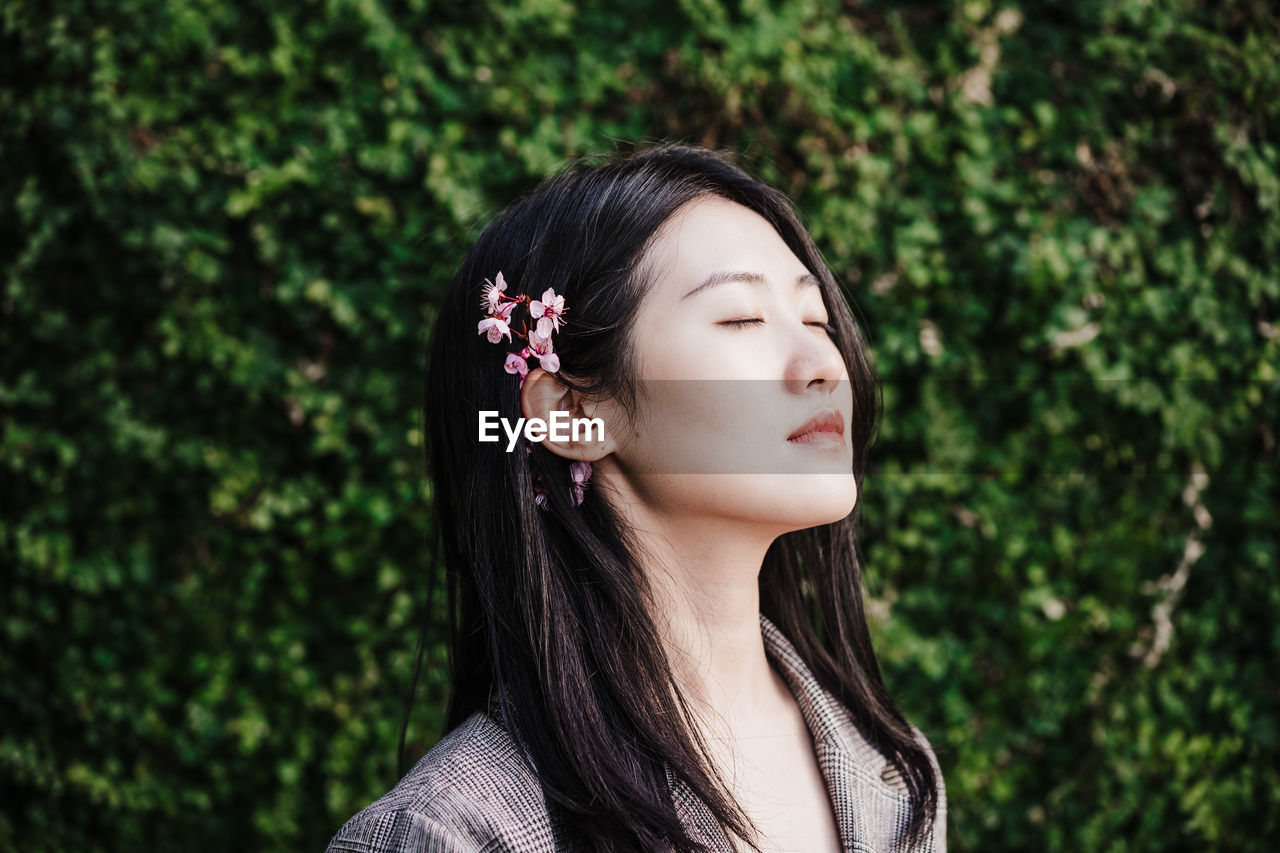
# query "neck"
(706, 592)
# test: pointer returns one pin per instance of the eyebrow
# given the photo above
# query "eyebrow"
(754, 278)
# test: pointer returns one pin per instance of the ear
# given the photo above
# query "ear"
(564, 412)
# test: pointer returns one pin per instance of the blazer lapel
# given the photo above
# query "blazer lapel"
(867, 796)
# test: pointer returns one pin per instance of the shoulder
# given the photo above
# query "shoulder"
(474, 790)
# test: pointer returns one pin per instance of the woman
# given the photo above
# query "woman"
(658, 638)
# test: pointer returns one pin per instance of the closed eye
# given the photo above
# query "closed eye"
(755, 321)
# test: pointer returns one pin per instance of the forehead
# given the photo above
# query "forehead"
(710, 235)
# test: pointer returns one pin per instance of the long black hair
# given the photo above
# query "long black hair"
(550, 616)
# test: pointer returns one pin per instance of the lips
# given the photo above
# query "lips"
(821, 426)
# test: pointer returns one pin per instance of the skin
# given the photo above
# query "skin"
(706, 471)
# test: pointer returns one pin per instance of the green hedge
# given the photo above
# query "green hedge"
(223, 229)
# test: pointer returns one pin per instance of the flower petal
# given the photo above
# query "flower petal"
(516, 364)
(539, 343)
(495, 327)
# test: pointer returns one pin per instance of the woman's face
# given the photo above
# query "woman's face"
(734, 365)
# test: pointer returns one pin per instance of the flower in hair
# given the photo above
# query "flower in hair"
(516, 364)
(579, 473)
(493, 293)
(540, 346)
(496, 326)
(549, 313)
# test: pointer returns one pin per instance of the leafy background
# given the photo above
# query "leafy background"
(223, 227)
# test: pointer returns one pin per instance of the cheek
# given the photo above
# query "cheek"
(700, 426)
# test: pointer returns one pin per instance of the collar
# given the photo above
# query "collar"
(866, 793)
(829, 720)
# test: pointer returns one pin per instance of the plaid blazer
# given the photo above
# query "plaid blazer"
(475, 792)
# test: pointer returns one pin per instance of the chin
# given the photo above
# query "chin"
(778, 502)
(814, 499)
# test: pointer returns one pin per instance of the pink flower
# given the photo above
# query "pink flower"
(548, 312)
(496, 327)
(503, 312)
(540, 346)
(580, 473)
(493, 295)
(516, 364)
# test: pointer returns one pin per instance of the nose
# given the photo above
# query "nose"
(815, 362)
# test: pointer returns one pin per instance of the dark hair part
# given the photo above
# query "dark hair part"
(532, 592)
